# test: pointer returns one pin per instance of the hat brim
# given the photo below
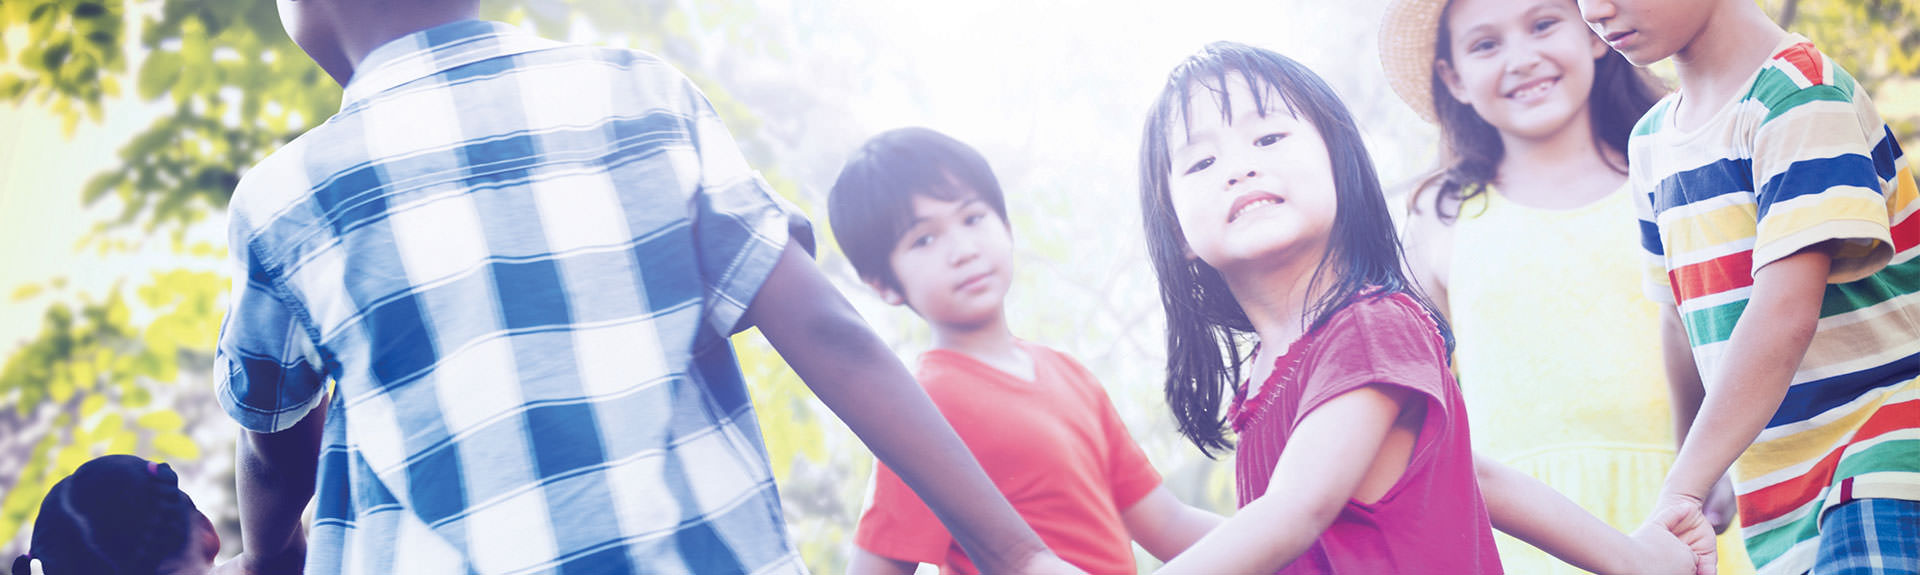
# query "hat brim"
(1408, 34)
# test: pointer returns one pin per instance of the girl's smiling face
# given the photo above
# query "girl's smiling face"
(1249, 186)
(1526, 66)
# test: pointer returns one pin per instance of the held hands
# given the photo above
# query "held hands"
(1682, 518)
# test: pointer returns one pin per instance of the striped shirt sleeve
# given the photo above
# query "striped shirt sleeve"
(1655, 282)
(1814, 173)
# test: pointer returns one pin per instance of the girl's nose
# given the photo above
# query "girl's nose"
(1235, 179)
(1525, 59)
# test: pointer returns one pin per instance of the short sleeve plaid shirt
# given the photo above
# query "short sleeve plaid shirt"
(518, 261)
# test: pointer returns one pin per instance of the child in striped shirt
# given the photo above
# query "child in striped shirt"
(1771, 191)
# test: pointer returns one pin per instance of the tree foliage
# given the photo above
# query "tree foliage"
(72, 59)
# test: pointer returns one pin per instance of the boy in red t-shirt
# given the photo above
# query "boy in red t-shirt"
(922, 218)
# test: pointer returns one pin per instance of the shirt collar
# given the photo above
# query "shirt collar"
(435, 50)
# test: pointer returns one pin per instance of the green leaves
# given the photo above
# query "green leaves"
(72, 54)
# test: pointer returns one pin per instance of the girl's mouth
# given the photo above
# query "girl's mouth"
(1533, 90)
(1250, 202)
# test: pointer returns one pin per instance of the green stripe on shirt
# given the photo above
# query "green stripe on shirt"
(1889, 283)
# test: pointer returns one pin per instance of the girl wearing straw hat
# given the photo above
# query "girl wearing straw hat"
(1525, 239)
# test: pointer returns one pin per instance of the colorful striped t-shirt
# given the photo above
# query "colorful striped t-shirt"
(1800, 158)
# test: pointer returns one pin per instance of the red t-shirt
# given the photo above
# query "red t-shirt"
(1431, 521)
(1053, 446)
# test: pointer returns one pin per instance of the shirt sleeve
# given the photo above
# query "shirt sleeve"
(740, 225)
(898, 526)
(1653, 252)
(1814, 170)
(268, 369)
(1377, 340)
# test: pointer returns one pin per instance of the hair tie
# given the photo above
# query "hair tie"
(153, 469)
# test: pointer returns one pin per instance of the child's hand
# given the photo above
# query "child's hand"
(1658, 551)
(1682, 518)
(1720, 507)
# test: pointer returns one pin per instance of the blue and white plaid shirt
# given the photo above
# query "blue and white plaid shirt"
(519, 261)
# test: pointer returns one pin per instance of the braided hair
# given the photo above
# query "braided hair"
(116, 515)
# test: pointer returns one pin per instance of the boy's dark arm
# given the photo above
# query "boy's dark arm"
(275, 475)
(856, 375)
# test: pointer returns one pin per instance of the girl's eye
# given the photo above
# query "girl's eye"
(974, 219)
(922, 241)
(1270, 139)
(1544, 24)
(1480, 46)
(1200, 165)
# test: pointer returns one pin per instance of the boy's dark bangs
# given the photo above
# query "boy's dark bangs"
(897, 208)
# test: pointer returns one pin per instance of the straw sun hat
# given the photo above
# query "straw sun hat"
(1407, 38)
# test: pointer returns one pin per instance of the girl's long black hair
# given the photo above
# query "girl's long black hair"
(1205, 325)
(1621, 94)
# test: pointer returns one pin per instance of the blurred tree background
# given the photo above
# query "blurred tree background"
(1052, 95)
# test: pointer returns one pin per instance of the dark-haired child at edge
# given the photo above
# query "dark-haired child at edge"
(119, 515)
(1523, 240)
(1776, 211)
(924, 222)
(1265, 221)
(519, 262)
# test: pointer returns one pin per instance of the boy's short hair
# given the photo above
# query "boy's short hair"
(871, 204)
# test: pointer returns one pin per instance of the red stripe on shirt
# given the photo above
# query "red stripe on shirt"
(1780, 498)
(1805, 57)
(1906, 234)
(1724, 273)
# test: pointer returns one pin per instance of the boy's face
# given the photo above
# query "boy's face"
(954, 264)
(1647, 31)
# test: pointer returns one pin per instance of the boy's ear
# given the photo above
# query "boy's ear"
(1451, 78)
(887, 294)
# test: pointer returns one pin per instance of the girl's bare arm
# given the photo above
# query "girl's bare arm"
(1326, 459)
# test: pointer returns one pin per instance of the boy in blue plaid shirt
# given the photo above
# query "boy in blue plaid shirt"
(518, 262)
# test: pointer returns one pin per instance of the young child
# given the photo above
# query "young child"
(119, 515)
(1777, 208)
(922, 218)
(519, 262)
(1264, 218)
(1522, 242)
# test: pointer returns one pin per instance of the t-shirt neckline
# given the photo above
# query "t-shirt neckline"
(1670, 122)
(1024, 346)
